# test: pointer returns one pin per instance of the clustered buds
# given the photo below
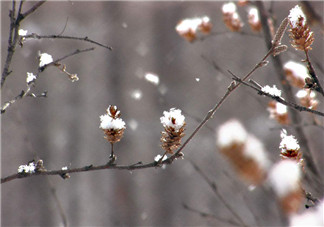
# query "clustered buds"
(279, 112)
(285, 179)
(174, 126)
(188, 28)
(296, 73)
(307, 98)
(112, 125)
(302, 37)
(290, 148)
(231, 18)
(244, 151)
(254, 20)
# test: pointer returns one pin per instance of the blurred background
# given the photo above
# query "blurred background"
(63, 129)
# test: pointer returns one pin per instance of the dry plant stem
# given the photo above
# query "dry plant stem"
(86, 39)
(207, 215)
(278, 99)
(312, 175)
(220, 197)
(13, 34)
(319, 88)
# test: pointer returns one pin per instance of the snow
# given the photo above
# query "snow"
(310, 217)
(173, 119)
(285, 177)
(108, 122)
(271, 90)
(295, 14)
(45, 59)
(229, 7)
(152, 78)
(288, 142)
(255, 150)
(231, 132)
(30, 77)
(298, 70)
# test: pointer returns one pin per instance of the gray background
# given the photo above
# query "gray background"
(63, 129)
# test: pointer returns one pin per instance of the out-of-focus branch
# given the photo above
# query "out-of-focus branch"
(315, 180)
(207, 215)
(86, 39)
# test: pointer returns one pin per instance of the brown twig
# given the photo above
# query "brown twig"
(278, 99)
(86, 39)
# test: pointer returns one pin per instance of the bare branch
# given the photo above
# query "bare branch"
(86, 39)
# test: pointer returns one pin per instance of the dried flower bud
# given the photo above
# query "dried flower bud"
(231, 18)
(279, 112)
(245, 152)
(296, 73)
(112, 125)
(302, 37)
(307, 98)
(174, 126)
(290, 148)
(254, 20)
(285, 179)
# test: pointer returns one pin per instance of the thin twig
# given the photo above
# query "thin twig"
(312, 73)
(86, 39)
(213, 186)
(31, 10)
(204, 214)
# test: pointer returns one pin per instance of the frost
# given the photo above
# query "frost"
(288, 142)
(152, 78)
(284, 177)
(271, 90)
(30, 77)
(108, 122)
(231, 132)
(295, 14)
(173, 119)
(45, 59)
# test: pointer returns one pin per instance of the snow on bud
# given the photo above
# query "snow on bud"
(231, 18)
(307, 98)
(296, 73)
(244, 151)
(278, 111)
(285, 179)
(274, 91)
(294, 16)
(112, 125)
(44, 59)
(30, 168)
(310, 217)
(174, 125)
(188, 28)
(254, 20)
(30, 78)
(288, 142)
